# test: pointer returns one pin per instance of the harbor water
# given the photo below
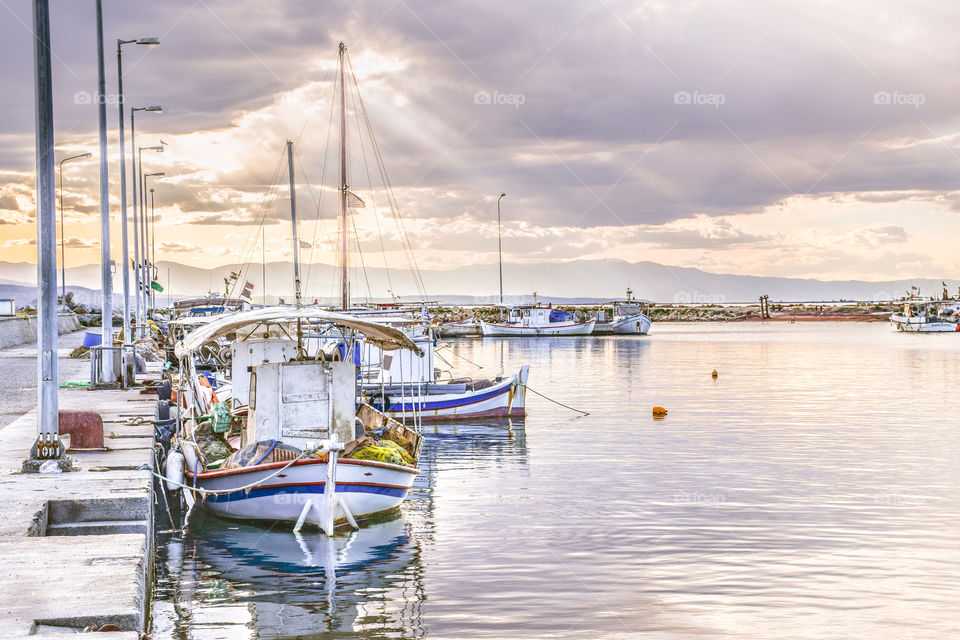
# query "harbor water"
(811, 490)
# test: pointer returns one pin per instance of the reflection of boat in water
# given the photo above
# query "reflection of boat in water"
(276, 584)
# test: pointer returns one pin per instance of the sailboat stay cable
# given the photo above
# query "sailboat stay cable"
(317, 223)
(323, 181)
(373, 201)
(388, 187)
(363, 266)
(250, 244)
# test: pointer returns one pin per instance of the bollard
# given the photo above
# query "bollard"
(85, 429)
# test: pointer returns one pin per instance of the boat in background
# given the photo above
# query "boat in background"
(928, 316)
(535, 320)
(628, 316)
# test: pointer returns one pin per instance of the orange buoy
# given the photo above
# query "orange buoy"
(659, 412)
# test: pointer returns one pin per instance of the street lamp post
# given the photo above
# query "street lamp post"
(63, 232)
(106, 278)
(127, 338)
(144, 236)
(153, 247)
(138, 271)
(148, 240)
(47, 445)
(500, 246)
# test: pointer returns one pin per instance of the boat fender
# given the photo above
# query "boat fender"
(659, 412)
(174, 470)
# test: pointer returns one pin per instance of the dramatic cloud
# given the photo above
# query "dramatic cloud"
(780, 138)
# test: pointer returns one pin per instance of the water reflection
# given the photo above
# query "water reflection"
(225, 579)
(808, 491)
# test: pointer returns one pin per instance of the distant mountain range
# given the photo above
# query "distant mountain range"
(562, 282)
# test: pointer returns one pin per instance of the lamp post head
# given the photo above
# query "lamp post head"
(85, 155)
(154, 108)
(151, 175)
(150, 42)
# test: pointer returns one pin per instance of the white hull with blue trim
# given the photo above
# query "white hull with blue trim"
(438, 402)
(366, 487)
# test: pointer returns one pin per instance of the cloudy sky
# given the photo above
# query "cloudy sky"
(796, 138)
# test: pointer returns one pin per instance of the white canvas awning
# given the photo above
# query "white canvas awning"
(387, 338)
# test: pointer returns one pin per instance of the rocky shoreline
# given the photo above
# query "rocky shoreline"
(779, 312)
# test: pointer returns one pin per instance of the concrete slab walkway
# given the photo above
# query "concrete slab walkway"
(52, 578)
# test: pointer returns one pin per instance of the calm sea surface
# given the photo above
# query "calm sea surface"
(810, 491)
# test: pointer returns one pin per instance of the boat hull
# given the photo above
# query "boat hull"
(367, 488)
(502, 399)
(926, 327)
(638, 324)
(492, 329)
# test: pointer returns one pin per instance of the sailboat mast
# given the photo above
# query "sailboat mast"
(293, 219)
(345, 291)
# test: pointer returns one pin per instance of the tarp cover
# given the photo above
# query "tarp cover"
(387, 338)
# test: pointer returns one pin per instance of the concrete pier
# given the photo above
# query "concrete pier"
(78, 546)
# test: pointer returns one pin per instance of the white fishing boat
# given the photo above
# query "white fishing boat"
(628, 317)
(536, 320)
(928, 316)
(433, 398)
(288, 467)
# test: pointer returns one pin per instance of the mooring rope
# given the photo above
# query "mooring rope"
(566, 406)
(252, 485)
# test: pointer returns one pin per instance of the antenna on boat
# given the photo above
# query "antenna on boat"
(345, 290)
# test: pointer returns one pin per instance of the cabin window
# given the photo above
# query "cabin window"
(253, 391)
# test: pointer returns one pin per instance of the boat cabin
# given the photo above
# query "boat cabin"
(301, 401)
(537, 316)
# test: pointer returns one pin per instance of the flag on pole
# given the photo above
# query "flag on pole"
(156, 286)
(247, 291)
(305, 245)
(354, 201)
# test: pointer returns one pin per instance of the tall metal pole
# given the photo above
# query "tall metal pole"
(136, 223)
(63, 242)
(263, 254)
(143, 237)
(293, 218)
(153, 248)
(63, 232)
(125, 252)
(48, 443)
(500, 247)
(106, 278)
(345, 284)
